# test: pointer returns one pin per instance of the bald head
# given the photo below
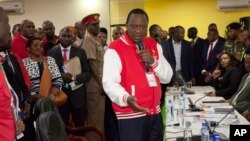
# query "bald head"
(48, 29)
(117, 32)
(27, 28)
(65, 37)
(80, 29)
(3, 16)
(45, 23)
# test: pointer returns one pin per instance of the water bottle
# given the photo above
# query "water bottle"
(182, 101)
(205, 132)
(182, 119)
(170, 109)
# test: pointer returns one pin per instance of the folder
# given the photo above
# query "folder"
(73, 66)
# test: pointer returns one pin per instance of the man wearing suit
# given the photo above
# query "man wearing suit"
(156, 32)
(241, 99)
(214, 26)
(182, 52)
(211, 49)
(197, 45)
(76, 98)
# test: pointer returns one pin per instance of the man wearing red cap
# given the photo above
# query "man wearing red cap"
(95, 52)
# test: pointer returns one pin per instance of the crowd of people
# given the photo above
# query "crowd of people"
(121, 84)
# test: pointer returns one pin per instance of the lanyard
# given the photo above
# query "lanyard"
(14, 97)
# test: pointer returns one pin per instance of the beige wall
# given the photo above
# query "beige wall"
(62, 12)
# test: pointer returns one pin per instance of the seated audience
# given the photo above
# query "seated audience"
(227, 78)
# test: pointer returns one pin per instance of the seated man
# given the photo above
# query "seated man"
(241, 99)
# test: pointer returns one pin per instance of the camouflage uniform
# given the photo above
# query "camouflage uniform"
(236, 49)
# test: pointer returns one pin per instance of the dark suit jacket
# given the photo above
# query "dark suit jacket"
(213, 61)
(228, 84)
(197, 55)
(243, 92)
(167, 53)
(77, 96)
(16, 80)
(186, 59)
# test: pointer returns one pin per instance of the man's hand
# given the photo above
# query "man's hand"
(193, 81)
(146, 56)
(211, 93)
(176, 85)
(131, 100)
(208, 78)
(216, 74)
(246, 114)
(67, 77)
(19, 126)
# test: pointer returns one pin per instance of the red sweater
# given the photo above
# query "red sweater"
(133, 75)
(19, 46)
(7, 125)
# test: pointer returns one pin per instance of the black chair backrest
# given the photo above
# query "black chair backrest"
(44, 105)
(50, 128)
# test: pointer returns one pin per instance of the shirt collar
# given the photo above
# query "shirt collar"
(195, 39)
(173, 41)
(215, 42)
(69, 47)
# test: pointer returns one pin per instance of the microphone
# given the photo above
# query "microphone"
(183, 81)
(156, 37)
(217, 123)
(140, 47)
(193, 105)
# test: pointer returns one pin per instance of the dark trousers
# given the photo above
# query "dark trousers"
(78, 114)
(147, 128)
(29, 132)
(111, 123)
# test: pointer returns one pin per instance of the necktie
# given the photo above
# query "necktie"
(210, 51)
(7, 58)
(192, 43)
(65, 54)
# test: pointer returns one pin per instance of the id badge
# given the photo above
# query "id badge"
(151, 80)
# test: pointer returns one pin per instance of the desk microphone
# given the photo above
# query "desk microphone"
(193, 105)
(140, 47)
(217, 123)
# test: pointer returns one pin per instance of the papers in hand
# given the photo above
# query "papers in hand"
(73, 66)
(73, 85)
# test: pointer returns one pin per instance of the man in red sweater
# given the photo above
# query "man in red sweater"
(134, 67)
(10, 125)
(18, 44)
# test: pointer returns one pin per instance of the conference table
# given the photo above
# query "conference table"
(195, 119)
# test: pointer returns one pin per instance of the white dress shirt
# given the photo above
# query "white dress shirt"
(68, 52)
(177, 54)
